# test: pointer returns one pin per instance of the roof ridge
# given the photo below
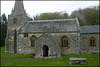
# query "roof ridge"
(52, 20)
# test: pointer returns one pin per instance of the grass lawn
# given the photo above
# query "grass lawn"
(12, 56)
(92, 60)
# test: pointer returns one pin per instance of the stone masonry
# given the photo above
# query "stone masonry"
(48, 35)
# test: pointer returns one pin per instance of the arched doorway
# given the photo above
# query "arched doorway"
(45, 51)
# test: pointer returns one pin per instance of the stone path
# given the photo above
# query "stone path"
(27, 59)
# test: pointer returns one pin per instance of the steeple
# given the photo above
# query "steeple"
(18, 7)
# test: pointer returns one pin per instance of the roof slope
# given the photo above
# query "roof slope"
(61, 25)
(90, 29)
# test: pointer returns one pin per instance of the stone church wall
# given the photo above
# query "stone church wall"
(73, 42)
(85, 45)
(24, 43)
(9, 41)
(54, 50)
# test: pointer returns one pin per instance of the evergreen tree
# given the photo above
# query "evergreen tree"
(3, 28)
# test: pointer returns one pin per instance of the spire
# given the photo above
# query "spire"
(19, 7)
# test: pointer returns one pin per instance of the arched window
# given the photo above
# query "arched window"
(32, 40)
(65, 42)
(92, 42)
(14, 20)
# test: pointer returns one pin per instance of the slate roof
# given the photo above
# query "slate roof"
(61, 25)
(90, 29)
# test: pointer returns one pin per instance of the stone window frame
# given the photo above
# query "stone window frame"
(25, 35)
(14, 20)
(62, 43)
(33, 37)
(93, 39)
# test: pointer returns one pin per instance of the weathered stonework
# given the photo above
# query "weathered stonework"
(85, 45)
(48, 34)
(25, 42)
(54, 50)
(78, 61)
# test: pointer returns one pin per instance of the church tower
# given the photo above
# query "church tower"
(16, 19)
(18, 16)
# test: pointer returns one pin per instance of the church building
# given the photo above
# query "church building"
(48, 38)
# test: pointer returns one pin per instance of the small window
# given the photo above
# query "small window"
(32, 41)
(25, 35)
(65, 41)
(15, 20)
(92, 42)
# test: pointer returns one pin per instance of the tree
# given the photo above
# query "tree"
(87, 16)
(50, 16)
(3, 27)
(4, 18)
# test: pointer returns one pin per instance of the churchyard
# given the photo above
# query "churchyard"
(92, 60)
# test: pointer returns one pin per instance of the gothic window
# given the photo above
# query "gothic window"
(15, 20)
(32, 41)
(92, 41)
(25, 35)
(65, 42)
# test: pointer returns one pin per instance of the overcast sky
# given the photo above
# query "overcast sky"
(36, 7)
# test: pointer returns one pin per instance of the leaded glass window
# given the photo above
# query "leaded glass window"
(65, 42)
(92, 42)
(32, 40)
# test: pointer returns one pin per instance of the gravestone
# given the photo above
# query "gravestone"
(78, 60)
